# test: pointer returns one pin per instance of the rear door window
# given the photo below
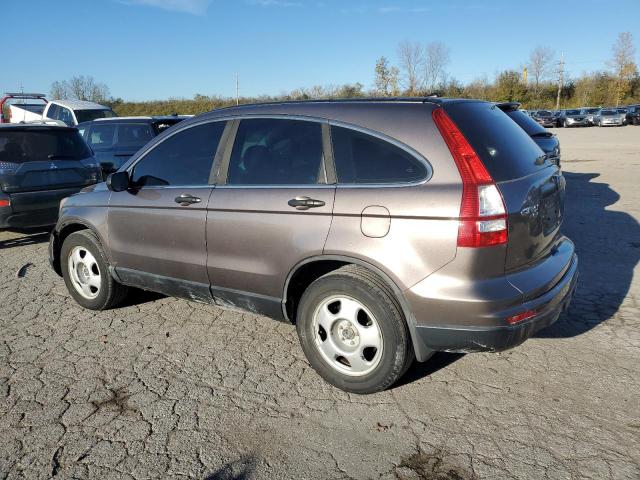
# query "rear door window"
(363, 158)
(183, 159)
(276, 152)
(504, 148)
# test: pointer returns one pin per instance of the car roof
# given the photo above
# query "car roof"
(136, 119)
(80, 105)
(34, 126)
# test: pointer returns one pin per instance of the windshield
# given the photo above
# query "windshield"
(88, 115)
(608, 112)
(544, 113)
(20, 146)
(572, 112)
(591, 110)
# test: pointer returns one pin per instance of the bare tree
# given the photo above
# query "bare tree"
(436, 59)
(410, 56)
(386, 78)
(540, 61)
(623, 64)
(80, 88)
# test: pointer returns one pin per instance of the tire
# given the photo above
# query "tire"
(89, 263)
(331, 300)
(565, 124)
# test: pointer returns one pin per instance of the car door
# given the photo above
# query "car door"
(271, 209)
(156, 228)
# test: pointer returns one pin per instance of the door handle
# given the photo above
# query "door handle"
(185, 199)
(305, 203)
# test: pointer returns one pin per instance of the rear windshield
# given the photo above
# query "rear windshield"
(20, 146)
(88, 115)
(527, 123)
(504, 148)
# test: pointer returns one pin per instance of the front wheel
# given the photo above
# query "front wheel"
(86, 272)
(353, 332)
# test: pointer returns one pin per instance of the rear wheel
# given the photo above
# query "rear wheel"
(353, 332)
(86, 272)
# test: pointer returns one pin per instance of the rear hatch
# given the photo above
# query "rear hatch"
(36, 158)
(532, 187)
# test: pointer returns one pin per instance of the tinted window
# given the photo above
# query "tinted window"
(101, 136)
(184, 158)
(134, 134)
(88, 115)
(20, 146)
(505, 149)
(276, 152)
(362, 158)
(52, 113)
(528, 124)
(65, 115)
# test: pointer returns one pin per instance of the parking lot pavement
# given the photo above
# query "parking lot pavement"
(168, 388)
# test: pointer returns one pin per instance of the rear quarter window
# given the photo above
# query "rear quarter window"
(502, 145)
(363, 158)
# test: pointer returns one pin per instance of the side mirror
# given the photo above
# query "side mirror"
(118, 181)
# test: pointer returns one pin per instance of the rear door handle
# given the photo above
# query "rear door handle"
(185, 199)
(305, 203)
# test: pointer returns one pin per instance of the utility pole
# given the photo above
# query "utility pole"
(237, 90)
(560, 79)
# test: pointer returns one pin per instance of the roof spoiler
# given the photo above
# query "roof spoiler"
(508, 106)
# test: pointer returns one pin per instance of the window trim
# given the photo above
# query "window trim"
(385, 138)
(223, 176)
(153, 145)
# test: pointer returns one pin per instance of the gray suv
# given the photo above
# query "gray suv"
(385, 230)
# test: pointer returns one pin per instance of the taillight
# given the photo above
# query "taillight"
(483, 216)
(5, 203)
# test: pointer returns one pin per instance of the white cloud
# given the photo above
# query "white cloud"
(195, 7)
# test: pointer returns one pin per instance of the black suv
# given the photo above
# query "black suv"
(633, 115)
(115, 140)
(41, 164)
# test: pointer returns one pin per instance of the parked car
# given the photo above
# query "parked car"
(591, 115)
(115, 140)
(73, 112)
(39, 166)
(575, 118)
(21, 107)
(633, 114)
(559, 117)
(545, 118)
(383, 229)
(611, 117)
(546, 140)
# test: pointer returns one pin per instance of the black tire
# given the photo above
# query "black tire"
(110, 293)
(367, 288)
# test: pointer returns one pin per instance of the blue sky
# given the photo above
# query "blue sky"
(152, 49)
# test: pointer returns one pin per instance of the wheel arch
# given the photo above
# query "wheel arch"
(61, 232)
(309, 269)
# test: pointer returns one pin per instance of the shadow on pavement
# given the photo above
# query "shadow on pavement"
(608, 247)
(420, 370)
(29, 237)
(138, 297)
(239, 470)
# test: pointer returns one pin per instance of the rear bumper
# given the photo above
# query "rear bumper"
(471, 316)
(33, 209)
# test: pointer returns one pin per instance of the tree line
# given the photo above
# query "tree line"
(421, 70)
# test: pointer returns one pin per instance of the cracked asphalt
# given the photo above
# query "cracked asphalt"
(165, 388)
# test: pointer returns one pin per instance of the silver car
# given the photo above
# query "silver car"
(591, 114)
(575, 118)
(611, 117)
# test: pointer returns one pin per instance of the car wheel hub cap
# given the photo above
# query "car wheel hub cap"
(84, 272)
(347, 335)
